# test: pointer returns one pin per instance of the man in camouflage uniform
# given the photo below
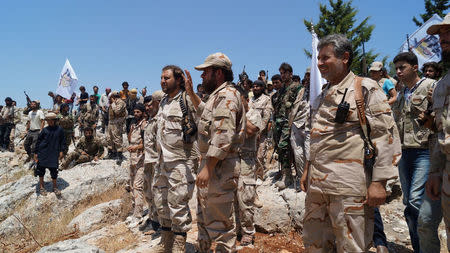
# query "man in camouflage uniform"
(282, 105)
(246, 191)
(117, 114)
(66, 121)
(340, 193)
(299, 138)
(438, 182)
(6, 123)
(151, 162)
(415, 162)
(88, 148)
(136, 169)
(89, 114)
(221, 131)
(173, 183)
(261, 103)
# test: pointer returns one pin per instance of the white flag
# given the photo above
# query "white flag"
(426, 47)
(67, 81)
(316, 80)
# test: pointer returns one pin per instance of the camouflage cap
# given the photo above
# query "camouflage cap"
(376, 66)
(435, 29)
(219, 60)
(158, 95)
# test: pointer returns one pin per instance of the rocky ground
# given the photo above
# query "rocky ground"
(90, 214)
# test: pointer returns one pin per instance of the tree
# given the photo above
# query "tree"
(432, 7)
(341, 19)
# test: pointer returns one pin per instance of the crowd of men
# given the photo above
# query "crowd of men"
(341, 148)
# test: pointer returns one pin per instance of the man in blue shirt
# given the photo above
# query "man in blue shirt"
(376, 73)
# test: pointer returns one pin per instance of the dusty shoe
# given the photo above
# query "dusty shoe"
(257, 202)
(111, 155)
(179, 243)
(42, 191)
(166, 243)
(246, 240)
(145, 224)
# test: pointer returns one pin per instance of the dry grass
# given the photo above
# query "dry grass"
(47, 228)
(120, 237)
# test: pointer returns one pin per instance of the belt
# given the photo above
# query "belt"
(35, 130)
(247, 154)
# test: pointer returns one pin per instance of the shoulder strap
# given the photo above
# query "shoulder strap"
(359, 99)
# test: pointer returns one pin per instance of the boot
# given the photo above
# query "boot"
(120, 158)
(166, 243)
(285, 182)
(111, 154)
(179, 243)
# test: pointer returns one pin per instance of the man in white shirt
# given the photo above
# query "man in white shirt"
(35, 124)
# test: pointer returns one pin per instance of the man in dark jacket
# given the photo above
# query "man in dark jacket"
(48, 151)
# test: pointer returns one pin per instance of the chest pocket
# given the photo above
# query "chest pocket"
(173, 121)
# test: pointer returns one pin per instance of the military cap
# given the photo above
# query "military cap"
(218, 60)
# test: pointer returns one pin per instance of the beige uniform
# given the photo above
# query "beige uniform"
(246, 191)
(298, 119)
(136, 169)
(117, 114)
(174, 180)
(262, 105)
(440, 155)
(150, 164)
(92, 148)
(335, 216)
(221, 131)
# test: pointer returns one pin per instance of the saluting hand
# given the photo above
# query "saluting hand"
(188, 83)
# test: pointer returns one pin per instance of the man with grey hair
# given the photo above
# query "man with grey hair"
(342, 183)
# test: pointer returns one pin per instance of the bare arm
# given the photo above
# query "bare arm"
(393, 95)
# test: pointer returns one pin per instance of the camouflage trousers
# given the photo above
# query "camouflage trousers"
(148, 193)
(173, 186)
(262, 153)
(284, 150)
(215, 211)
(445, 199)
(245, 196)
(337, 223)
(137, 189)
(77, 157)
(115, 139)
(68, 138)
(300, 147)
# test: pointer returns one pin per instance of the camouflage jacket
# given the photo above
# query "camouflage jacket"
(440, 155)
(284, 101)
(117, 111)
(89, 114)
(263, 105)
(151, 153)
(407, 111)
(7, 115)
(249, 146)
(93, 147)
(136, 137)
(336, 150)
(221, 127)
(170, 133)
(66, 122)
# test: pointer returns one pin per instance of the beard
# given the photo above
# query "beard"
(210, 84)
(446, 56)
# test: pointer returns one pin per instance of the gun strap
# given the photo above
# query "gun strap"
(359, 99)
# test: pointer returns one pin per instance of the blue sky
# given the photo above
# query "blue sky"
(108, 42)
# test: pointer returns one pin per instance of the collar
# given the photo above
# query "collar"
(222, 86)
(177, 96)
(345, 83)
